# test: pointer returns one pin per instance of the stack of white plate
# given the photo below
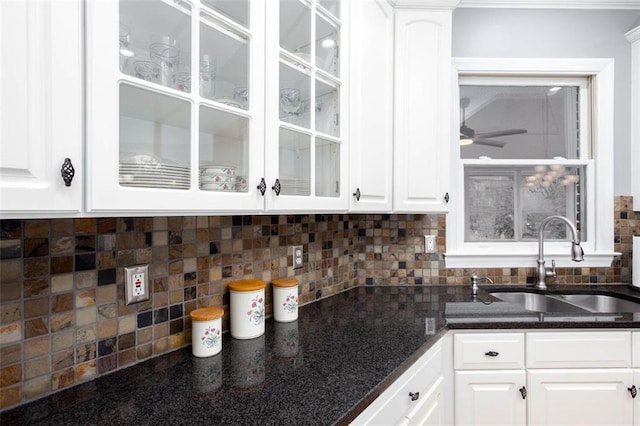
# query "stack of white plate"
(141, 170)
(295, 186)
(217, 178)
(242, 184)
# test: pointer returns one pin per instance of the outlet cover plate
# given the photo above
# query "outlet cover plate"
(430, 244)
(136, 283)
(297, 257)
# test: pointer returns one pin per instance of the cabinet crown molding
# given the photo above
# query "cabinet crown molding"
(552, 4)
(425, 4)
(633, 35)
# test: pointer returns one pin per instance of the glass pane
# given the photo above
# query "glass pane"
(237, 10)
(327, 42)
(157, 49)
(295, 28)
(551, 190)
(295, 163)
(327, 107)
(327, 168)
(155, 139)
(522, 122)
(224, 151)
(224, 64)
(509, 202)
(490, 206)
(332, 6)
(295, 92)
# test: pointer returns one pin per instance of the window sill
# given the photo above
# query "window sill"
(525, 260)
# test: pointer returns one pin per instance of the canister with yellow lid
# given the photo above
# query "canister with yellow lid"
(285, 299)
(247, 308)
(206, 324)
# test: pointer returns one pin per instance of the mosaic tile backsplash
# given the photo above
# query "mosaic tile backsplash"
(62, 314)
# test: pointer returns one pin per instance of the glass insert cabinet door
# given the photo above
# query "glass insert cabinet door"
(175, 105)
(304, 105)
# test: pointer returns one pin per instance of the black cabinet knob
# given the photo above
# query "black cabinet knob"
(67, 171)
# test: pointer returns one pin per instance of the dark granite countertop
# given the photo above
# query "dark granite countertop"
(324, 368)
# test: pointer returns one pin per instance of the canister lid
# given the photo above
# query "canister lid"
(285, 282)
(247, 285)
(207, 314)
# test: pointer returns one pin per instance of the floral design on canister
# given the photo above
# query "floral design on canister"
(291, 303)
(211, 337)
(256, 313)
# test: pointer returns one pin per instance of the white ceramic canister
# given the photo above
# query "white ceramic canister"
(206, 331)
(285, 299)
(247, 308)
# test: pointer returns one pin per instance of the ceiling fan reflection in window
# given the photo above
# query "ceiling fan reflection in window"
(469, 136)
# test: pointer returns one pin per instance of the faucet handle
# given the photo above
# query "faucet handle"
(551, 272)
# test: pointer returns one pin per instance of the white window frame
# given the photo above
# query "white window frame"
(599, 245)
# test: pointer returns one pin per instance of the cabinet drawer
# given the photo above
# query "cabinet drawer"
(488, 351)
(395, 403)
(579, 349)
(635, 349)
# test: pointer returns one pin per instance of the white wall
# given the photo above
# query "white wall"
(531, 33)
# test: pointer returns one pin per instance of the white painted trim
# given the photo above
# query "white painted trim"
(425, 4)
(634, 38)
(552, 4)
(592, 260)
(599, 247)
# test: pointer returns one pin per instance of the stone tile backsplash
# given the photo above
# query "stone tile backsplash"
(62, 314)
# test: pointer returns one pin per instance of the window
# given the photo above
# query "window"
(535, 140)
(525, 153)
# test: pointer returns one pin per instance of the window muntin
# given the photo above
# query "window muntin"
(529, 158)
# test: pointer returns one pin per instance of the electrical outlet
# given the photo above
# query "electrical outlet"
(429, 243)
(297, 257)
(136, 284)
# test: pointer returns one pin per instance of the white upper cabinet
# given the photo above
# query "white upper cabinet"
(306, 106)
(177, 103)
(422, 110)
(40, 108)
(371, 124)
(175, 106)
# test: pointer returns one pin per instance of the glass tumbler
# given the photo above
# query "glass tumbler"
(241, 94)
(167, 56)
(207, 76)
(290, 100)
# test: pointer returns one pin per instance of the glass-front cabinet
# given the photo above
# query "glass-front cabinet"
(305, 105)
(214, 106)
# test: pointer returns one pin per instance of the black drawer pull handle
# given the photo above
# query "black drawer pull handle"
(523, 392)
(67, 171)
(414, 396)
(633, 391)
(357, 194)
(492, 353)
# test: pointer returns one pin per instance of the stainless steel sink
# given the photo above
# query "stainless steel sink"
(576, 303)
(537, 302)
(601, 303)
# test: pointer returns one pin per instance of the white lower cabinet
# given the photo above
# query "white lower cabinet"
(566, 378)
(491, 397)
(580, 397)
(419, 396)
(489, 379)
(572, 377)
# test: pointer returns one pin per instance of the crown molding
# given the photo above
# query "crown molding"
(551, 4)
(425, 4)
(633, 35)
